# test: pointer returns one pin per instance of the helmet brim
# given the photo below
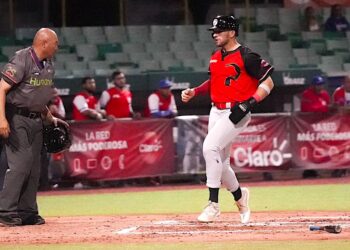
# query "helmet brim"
(215, 29)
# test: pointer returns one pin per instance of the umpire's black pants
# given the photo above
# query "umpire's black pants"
(18, 196)
(3, 164)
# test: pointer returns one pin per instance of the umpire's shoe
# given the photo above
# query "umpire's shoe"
(243, 206)
(34, 219)
(10, 220)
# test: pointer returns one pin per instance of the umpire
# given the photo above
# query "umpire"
(25, 89)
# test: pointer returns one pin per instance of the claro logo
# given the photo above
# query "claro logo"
(151, 147)
(246, 156)
(147, 148)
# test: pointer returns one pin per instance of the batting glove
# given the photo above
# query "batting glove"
(240, 110)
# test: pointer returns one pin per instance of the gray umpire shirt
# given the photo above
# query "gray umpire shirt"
(31, 80)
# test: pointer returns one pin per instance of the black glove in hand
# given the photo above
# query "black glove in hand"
(240, 110)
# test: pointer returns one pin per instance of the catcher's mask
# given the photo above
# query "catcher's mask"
(225, 23)
(56, 139)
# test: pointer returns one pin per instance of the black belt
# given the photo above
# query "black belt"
(23, 111)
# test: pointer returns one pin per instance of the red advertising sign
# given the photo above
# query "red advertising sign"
(121, 149)
(320, 140)
(263, 145)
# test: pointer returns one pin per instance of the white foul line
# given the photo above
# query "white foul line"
(126, 231)
(281, 226)
(203, 232)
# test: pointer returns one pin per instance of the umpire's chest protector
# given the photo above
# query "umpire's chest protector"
(228, 77)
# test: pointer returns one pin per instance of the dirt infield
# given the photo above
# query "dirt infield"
(180, 228)
(177, 228)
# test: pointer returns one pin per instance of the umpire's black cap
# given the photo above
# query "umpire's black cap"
(225, 23)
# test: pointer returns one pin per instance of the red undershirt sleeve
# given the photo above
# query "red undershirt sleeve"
(203, 88)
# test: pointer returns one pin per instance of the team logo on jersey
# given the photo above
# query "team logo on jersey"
(34, 81)
(233, 77)
(213, 61)
(264, 63)
(10, 71)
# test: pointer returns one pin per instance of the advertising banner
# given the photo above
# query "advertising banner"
(130, 149)
(191, 133)
(263, 145)
(121, 149)
(320, 141)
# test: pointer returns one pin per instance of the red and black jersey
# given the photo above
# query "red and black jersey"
(235, 75)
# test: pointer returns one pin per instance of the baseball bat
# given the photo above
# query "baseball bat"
(335, 229)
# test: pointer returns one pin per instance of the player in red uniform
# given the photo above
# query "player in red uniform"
(117, 100)
(239, 80)
(341, 101)
(161, 103)
(315, 98)
(85, 104)
(56, 106)
(341, 96)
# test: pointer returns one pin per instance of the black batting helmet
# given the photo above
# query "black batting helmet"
(225, 23)
(56, 139)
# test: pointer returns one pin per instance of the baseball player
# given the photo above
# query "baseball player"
(25, 89)
(161, 103)
(117, 100)
(239, 80)
(315, 98)
(85, 104)
(341, 101)
(341, 95)
(56, 106)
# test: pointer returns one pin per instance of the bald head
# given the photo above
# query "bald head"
(45, 43)
(44, 34)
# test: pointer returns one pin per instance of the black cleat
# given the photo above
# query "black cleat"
(10, 220)
(34, 219)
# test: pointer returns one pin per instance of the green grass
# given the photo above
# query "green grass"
(256, 245)
(281, 198)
